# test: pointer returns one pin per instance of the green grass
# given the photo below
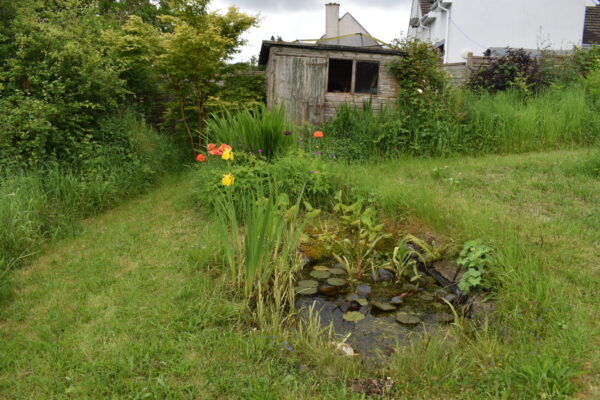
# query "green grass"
(37, 205)
(137, 306)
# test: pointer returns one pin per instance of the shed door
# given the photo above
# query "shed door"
(300, 84)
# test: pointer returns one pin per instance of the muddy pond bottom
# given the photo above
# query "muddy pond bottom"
(377, 314)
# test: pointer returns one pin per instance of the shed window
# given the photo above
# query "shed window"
(340, 76)
(367, 77)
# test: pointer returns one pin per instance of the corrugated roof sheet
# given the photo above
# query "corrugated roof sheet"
(591, 29)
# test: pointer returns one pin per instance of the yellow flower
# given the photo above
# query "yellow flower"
(228, 180)
(227, 155)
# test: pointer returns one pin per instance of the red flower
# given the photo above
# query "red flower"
(318, 134)
(211, 146)
(200, 157)
(224, 147)
(216, 152)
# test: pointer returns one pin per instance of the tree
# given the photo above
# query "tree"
(190, 55)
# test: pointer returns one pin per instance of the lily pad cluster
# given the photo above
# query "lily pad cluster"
(325, 280)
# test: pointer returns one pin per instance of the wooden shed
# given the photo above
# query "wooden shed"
(313, 80)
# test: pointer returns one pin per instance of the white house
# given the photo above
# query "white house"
(345, 31)
(459, 27)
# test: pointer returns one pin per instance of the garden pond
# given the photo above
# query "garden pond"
(378, 312)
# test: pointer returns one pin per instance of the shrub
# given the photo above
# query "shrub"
(259, 131)
(296, 175)
(517, 69)
(56, 86)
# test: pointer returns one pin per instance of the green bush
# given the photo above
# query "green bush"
(423, 121)
(260, 131)
(518, 70)
(295, 175)
(56, 85)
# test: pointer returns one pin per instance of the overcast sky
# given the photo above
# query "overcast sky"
(305, 19)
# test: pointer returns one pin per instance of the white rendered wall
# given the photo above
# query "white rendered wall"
(534, 24)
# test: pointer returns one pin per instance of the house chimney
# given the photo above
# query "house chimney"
(332, 26)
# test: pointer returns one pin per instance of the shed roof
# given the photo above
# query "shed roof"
(591, 28)
(265, 50)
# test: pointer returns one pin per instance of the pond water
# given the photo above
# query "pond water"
(378, 313)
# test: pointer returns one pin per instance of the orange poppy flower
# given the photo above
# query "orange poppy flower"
(200, 157)
(223, 147)
(216, 152)
(318, 134)
(211, 146)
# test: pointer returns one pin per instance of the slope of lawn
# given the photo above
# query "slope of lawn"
(135, 307)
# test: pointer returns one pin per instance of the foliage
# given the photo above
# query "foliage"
(422, 122)
(518, 69)
(296, 175)
(477, 259)
(47, 202)
(56, 87)
(260, 131)
(261, 255)
(243, 87)
(190, 55)
(420, 69)
(560, 116)
(355, 246)
(578, 64)
(505, 122)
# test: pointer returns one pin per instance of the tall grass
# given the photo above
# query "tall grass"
(253, 131)
(262, 254)
(471, 123)
(41, 204)
(505, 122)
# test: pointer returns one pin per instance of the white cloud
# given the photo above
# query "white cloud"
(384, 19)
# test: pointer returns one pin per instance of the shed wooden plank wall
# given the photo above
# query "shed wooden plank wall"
(303, 87)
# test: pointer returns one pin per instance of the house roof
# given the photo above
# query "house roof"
(265, 51)
(591, 28)
(426, 6)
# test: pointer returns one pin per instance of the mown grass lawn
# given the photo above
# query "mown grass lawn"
(136, 306)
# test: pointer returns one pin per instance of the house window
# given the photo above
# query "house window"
(367, 77)
(350, 76)
(340, 76)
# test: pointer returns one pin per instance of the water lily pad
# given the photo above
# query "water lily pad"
(363, 302)
(352, 297)
(407, 319)
(305, 291)
(337, 271)
(443, 317)
(320, 268)
(320, 274)
(308, 283)
(329, 290)
(353, 316)
(381, 306)
(336, 281)
(363, 290)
